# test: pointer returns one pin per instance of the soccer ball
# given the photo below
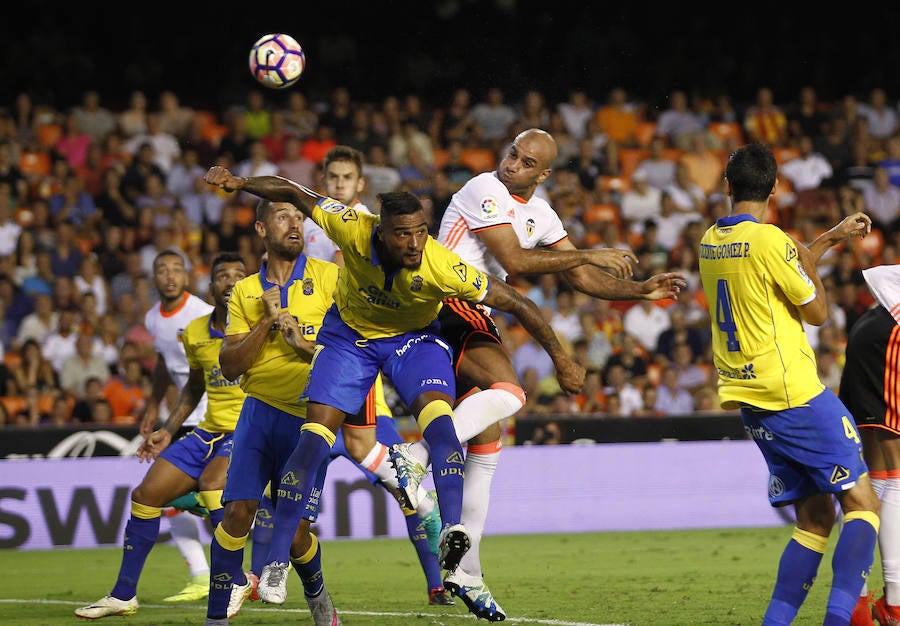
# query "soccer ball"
(277, 60)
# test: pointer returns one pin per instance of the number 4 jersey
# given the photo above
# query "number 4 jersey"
(754, 283)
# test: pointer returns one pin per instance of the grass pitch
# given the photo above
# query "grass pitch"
(676, 578)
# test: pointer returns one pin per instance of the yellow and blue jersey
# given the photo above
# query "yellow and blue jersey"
(278, 374)
(202, 343)
(754, 282)
(379, 305)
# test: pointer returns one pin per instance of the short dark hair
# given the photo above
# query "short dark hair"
(751, 172)
(343, 153)
(170, 252)
(224, 257)
(398, 203)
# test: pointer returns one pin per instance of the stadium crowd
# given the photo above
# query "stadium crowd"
(89, 195)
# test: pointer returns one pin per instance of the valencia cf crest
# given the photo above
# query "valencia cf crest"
(308, 286)
(416, 284)
(529, 227)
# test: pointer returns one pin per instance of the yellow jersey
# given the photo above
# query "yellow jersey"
(754, 282)
(224, 397)
(279, 374)
(379, 305)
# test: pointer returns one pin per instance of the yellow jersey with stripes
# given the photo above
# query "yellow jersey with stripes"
(278, 375)
(377, 304)
(224, 397)
(754, 284)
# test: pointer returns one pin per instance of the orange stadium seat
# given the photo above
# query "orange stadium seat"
(726, 131)
(629, 158)
(479, 159)
(441, 157)
(49, 134)
(783, 154)
(644, 132)
(34, 163)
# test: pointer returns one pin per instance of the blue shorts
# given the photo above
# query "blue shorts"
(263, 440)
(385, 431)
(195, 449)
(345, 365)
(809, 449)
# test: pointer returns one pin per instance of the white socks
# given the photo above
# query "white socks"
(477, 412)
(186, 535)
(889, 539)
(480, 467)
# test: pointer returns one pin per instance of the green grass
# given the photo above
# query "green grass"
(676, 578)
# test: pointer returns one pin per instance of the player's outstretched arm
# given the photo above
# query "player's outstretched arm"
(501, 296)
(272, 188)
(600, 284)
(188, 399)
(856, 225)
(503, 243)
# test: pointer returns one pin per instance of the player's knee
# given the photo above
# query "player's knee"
(238, 517)
(358, 442)
(512, 395)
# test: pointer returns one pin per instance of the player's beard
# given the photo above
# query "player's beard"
(286, 249)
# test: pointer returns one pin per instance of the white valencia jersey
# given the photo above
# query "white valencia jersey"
(166, 330)
(316, 243)
(484, 202)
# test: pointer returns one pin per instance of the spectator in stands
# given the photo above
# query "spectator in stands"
(34, 371)
(688, 198)
(764, 121)
(142, 166)
(576, 111)
(677, 122)
(632, 356)
(691, 376)
(38, 324)
(180, 180)
(806, 116)
(882, 117)
(657, 166)
(597, 346)
(73, 143)
(133, 120)
(646, 321)
(628, 396)
(705, 166)
(680, 333)
(380, 175)
(882, 201)
(618, 119)
(166, 149)
(10, 229)
(671, 398)
(126, 392)
(83, 409)
(493, 119)
(73, 204)
(85, 364)
(295, 166)
(66, 255)
(257, 115)
(276, 137)
(11, 174)
(299, 119)
(93, 118)
(59, 344)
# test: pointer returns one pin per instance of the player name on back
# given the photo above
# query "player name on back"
(734, 250)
